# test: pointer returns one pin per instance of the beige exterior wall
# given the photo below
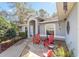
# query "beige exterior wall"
(78, 29)
(60, 28)
(42, 29)
(71, 16)
(50, 26)
(71, 38)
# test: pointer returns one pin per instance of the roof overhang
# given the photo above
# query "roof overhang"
(61, 12)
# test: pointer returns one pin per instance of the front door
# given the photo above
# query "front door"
(31, 30)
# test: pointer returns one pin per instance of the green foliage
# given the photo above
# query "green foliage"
(30, 10)
(10, 33)
(4, 26)
(4, 22)
(42, 12)
(1, 33)
(26, 33)
(71, 53)
(7, 29)
(22, 10)
(15, 27)
(22, 34)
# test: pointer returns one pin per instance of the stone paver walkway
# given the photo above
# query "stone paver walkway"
(34, 50)
(15, 50)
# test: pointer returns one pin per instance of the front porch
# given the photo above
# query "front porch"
(35, 50)
(26, 48)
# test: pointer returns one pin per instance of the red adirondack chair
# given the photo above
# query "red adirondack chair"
(36, 39)
(45, 43)
(33, 39)
(51, 39)
(49, 53)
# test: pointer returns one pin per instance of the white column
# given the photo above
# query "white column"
(36, 27)
(23, 29)
(28, 29)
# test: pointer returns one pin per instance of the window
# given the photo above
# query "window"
(65, 6)
(68, 27)
(48, 32)
(50, 28)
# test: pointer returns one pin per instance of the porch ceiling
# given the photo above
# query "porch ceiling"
(60, 11)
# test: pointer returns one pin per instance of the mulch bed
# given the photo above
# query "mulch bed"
(6, 44)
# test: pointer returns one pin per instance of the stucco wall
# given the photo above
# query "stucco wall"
(77, 29)
(71, 38)
(58, 31)
(23, 29)
(42, 29)
(60, 28)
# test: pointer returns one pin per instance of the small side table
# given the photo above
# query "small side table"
(51, 46)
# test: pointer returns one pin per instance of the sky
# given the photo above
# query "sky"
(48, 6)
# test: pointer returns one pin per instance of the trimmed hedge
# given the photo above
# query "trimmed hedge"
(22, 34)
(10, 33)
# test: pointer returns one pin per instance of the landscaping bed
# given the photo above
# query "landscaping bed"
(6, 44)
(9, 34)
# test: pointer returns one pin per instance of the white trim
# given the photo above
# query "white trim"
(36, 25)
(56, 37)
(43, 35)
(49, 21)
(54, 29)
(45, 29)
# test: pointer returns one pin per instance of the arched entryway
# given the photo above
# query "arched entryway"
(32, 25)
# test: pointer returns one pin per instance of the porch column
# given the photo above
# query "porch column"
(23, 29)
(36, 27)
(28, 29)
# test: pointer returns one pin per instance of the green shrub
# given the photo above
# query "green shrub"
(2, 39)
(22, 34)
(1, 33)
(15, 27)
(7, 29)
(26, 34)
(10, 33)
(4, 25)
